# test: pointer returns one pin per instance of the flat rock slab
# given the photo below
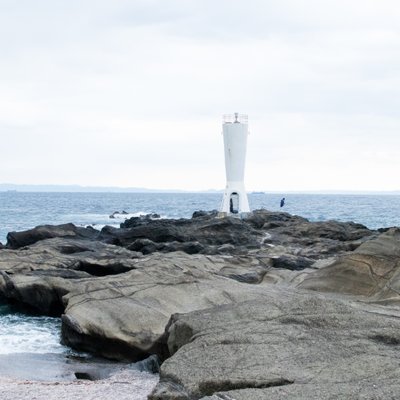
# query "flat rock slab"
(125, 316)
(282, 339)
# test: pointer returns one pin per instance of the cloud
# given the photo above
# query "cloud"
(133, 92)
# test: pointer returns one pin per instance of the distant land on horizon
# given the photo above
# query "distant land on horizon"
(10, 187)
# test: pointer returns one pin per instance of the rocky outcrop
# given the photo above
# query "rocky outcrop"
(231, 305)
(16, 240)
(208, 231)
(115, 303)
(372, 270)
(205, 233)
(39, 276)
(285, 338)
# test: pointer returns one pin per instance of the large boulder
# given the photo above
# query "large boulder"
(124, 316)
(285, 338)
(115, 302)
(39, 276)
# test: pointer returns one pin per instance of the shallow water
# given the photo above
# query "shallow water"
(21, 333)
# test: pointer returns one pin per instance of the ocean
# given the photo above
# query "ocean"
(20, 333)
(20, 211)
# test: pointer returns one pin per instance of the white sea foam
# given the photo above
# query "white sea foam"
(129, 215)
(27, 334)
(124, 216)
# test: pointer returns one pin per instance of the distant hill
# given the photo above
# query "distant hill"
(9, 187)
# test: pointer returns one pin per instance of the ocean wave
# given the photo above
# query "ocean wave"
(27, 334)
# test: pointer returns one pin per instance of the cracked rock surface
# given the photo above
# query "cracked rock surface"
(285, 337)
(272, 306)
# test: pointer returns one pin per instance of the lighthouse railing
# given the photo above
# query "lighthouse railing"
(232, 118)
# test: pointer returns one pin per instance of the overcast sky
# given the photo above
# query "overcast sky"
(131, 92)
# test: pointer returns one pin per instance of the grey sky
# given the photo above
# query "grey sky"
(131, 93)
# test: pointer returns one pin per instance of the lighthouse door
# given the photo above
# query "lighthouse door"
(234, 203)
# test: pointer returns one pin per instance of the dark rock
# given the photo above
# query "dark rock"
(142, 219)
(187, 247)
(16, 240)
(85, 375)
(203, 230)
(201, 213)
(294, 263)
(263, 218)
(156, 231)
(139, 244)
(115, 213)
(102, 268)
(150, 364)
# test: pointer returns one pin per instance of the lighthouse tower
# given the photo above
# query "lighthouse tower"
(234, 130)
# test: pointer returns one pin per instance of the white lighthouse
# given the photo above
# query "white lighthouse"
(235, 131)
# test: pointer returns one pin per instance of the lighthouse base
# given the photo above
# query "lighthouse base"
(235, 200)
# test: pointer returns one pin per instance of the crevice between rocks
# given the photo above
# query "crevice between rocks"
(208, 388)
(388, 340)
(102, 270)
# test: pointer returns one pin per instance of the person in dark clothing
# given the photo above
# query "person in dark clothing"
(282, 202)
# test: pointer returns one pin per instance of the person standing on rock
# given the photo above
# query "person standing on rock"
(282, 202)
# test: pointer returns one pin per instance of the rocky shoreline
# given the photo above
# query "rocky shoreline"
(269, 306)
